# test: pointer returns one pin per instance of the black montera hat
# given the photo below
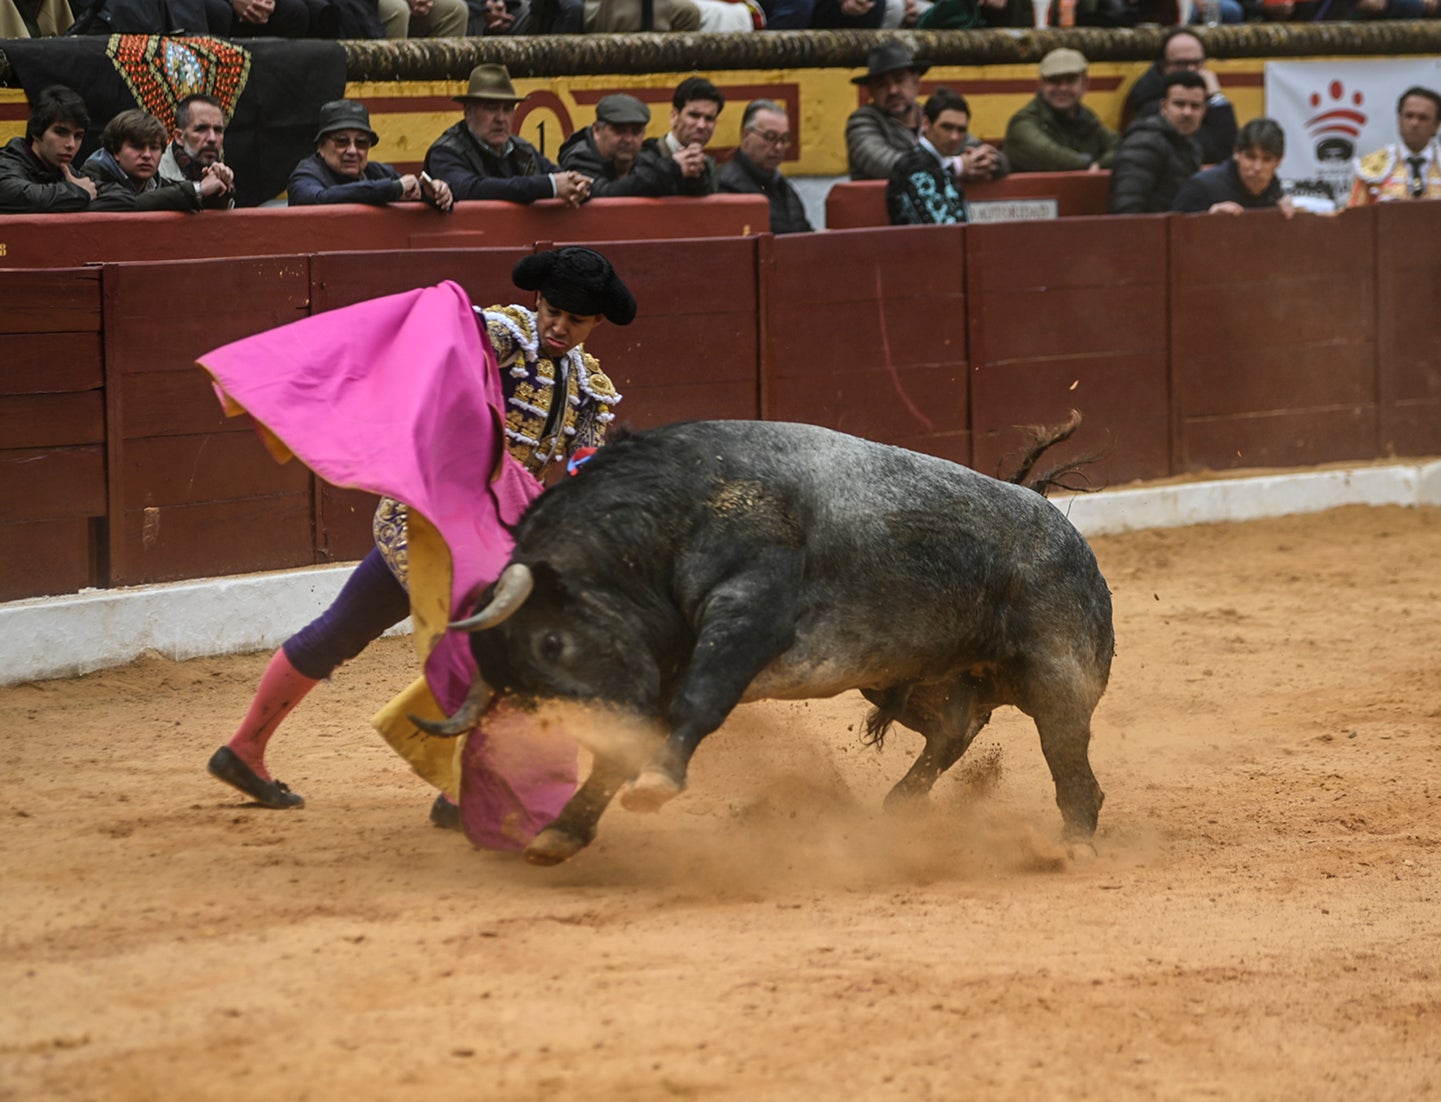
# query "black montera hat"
(578, 280)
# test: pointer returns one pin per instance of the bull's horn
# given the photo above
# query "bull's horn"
(467, 716)
(514, 586)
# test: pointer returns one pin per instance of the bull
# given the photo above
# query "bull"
(692, 567)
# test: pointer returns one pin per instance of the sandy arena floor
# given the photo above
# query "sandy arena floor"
(1263, 918)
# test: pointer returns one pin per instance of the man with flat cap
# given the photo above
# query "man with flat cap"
(1056, 132)
(557, 402)
(888, 128)
(481, 157)
(341, 171)
(608, 151)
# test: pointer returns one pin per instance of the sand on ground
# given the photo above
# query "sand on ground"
(1262, 918)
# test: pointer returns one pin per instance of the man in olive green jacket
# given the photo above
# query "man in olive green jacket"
(1055, 132)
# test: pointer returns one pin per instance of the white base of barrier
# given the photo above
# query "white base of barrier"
(51, 637)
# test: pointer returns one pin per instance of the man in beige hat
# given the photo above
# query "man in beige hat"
(1055, 132)
(481, 157)
(887, 129)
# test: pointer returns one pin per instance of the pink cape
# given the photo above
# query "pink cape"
(400, 396)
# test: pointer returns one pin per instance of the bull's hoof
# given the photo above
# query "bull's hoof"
(650, 791)
(1080, 851)
(551, 847)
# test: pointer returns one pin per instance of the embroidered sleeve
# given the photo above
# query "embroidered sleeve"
(512, 334)
(595, 398)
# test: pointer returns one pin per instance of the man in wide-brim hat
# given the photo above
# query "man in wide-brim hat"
(888, 128)
(341, 171)
(481, 157)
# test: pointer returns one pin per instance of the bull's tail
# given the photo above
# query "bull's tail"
(1069, 476)
(888, 709)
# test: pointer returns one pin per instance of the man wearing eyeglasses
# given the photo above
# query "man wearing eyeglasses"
(1182, 49)
(341, 171)
(1410, 168)
(755, 168)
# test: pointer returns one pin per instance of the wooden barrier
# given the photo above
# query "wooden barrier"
(851, 204)
(52, 433)
(70, 240)
(1189, 342)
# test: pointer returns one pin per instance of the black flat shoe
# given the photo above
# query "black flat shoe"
(225, 765)
(445, 814)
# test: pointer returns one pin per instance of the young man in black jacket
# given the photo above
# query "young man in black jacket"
(1159, 154)
(35, 172)
(1244, 181)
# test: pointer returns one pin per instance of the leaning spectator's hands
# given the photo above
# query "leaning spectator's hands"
(253, 11)
(420, 7)
(84, 183)
(912, 13)
(854, 9)
(498, 19)
(572, 187)
(1227, 207)
(222, 174)
(691, 161)
(437, 193)
(1286, 207)
(979, 162)
(410, 187)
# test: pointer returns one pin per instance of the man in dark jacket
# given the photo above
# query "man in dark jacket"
(126, 169)
(696, 105)
(755, 167)
(1245, 181)
(1181, 48)
(341, 171)
(1160, 153)
(480, 157)
(1056, 132)
(35, 172)
(608, 151)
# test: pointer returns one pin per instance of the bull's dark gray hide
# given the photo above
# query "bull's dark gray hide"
(692, 567)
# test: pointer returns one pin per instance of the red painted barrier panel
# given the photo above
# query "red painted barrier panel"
(1408, 353)
(191, 492)
(851, 204)
(71, 240)
(1274, 336)
(1071, 315)
(52, 432)
(865, 331)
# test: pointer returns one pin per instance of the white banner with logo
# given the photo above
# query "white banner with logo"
(1335, 111)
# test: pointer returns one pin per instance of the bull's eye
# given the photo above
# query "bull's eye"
(552, 646)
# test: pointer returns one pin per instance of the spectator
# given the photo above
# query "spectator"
(922, 189)
(424, 18)
(1056, 132)
(1160, 153)
(886, 129)
(35, 172)
(341, 171)
(481, 158)
(493, 17)
(1181, 49)
(1245, 181)
(126, 169)
(1408, 169)
(629, 16)
(695, 107)
(257, 18)
(755, 168)
(34, 18)
(197, 150)
(608, 151)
